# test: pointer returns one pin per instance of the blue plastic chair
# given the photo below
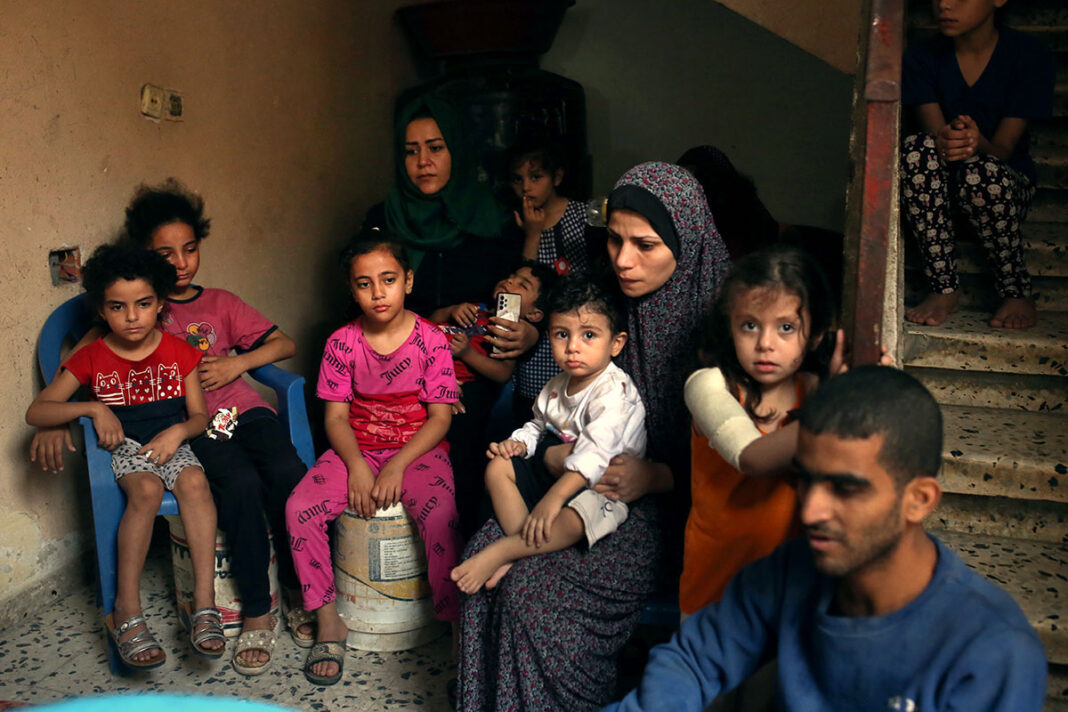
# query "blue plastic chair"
(72, 320)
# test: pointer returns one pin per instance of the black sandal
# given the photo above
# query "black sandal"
(327, 652)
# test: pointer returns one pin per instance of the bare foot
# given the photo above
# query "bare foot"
(331, 628)
(255, 657)
(1015, 313)
(472, 574)
(497, 576)
(934, 310)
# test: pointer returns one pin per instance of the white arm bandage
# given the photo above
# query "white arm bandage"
(718, 415)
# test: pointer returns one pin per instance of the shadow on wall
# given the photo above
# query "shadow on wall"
(661, 77)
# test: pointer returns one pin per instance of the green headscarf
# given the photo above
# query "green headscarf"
(463, 207)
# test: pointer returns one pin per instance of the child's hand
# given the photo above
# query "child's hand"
(465, 314)
(506, 449)
(540, 521)
(459, 344)
(160, 449)
(967, 125)
(108, 428)
(954, 142)
(48, 445)
(533, 219)
(217, 371)
(361, 482)
(388, 486)
(840, 361)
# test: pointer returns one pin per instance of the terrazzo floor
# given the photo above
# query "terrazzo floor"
(62, 654)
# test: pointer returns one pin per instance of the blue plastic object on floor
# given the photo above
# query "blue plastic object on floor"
(71, 320)
(159, 703)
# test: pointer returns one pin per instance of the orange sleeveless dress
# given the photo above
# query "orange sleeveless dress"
(734, 520)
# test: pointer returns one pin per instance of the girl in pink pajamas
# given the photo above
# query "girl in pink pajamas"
(388, 382)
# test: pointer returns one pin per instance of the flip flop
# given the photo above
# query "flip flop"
(263, 639)
(332, 651)
(138, 643)
(203, 625)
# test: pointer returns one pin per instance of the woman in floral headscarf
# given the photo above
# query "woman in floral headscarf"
(548, 636)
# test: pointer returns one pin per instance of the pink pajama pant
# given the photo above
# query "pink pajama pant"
(428, 498)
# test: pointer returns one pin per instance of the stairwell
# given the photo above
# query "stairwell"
(1005, 393)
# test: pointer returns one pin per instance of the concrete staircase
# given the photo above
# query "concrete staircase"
(1005, 393)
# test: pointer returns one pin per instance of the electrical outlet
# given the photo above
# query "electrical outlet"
(152, 101)
(172, 105)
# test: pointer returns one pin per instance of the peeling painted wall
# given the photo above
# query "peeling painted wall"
(286, 133)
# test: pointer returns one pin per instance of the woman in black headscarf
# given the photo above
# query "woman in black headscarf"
(548, 636)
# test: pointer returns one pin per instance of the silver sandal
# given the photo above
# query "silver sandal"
(136, 644)
(203, 625)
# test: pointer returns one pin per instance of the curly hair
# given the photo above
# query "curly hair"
(125, 260)
(778, 267)
(169, 202)
(572, 293)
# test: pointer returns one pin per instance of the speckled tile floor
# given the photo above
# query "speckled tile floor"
(62, 653)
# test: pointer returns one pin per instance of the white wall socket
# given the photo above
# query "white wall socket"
(152, 101)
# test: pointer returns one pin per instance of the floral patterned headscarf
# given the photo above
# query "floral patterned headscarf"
(663, 325)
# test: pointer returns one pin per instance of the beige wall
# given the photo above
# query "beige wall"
(826, 28)
(662, 77)
(286, 135)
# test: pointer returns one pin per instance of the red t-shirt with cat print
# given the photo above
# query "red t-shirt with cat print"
(146, 396)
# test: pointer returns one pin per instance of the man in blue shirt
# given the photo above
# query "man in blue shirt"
(868, 612)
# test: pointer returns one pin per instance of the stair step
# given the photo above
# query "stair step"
(1051, 165)
(967, 343)
(1057, 689)
(1050, 206)
(1033, 520)
(1005, 453)
(1032, 573)
(977, 290)
(995, 390)
(1051, 132)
